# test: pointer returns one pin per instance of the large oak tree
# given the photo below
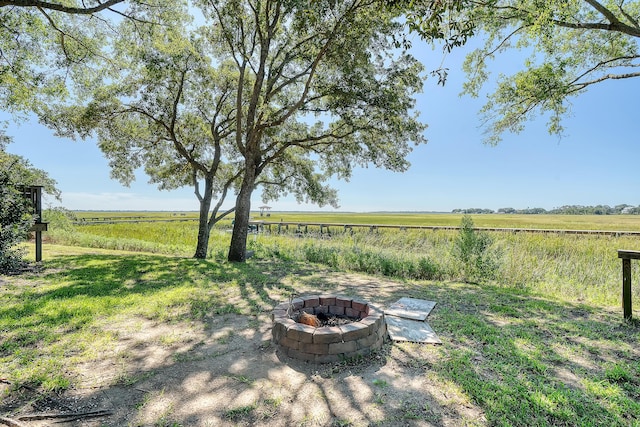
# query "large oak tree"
(279, 95)
(319, 82)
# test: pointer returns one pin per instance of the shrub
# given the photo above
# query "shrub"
(59, 218)
(473, 249)
(15, 222)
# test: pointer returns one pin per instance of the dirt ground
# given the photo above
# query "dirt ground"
(226, 372)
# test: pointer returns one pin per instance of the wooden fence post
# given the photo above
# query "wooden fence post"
(626, 288)
(627, 256)
(34, 195)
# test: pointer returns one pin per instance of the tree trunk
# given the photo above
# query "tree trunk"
(202, 246)
(238, 246)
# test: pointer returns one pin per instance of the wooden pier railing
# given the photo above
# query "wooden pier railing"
(325, 227)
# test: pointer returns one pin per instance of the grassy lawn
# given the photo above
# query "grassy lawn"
(520, 358)
(53, 319)
(530, 361)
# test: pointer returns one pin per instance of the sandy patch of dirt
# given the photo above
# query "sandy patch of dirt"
(226, 372)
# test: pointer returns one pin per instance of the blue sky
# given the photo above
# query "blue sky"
(595, 162)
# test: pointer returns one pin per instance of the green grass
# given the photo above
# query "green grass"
(62, 315)
(239, 412)
(522, 357)
(528, 360)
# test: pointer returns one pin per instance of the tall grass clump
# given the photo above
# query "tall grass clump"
(473, 249)
(359, 252)
(372, 260)
(583, 268)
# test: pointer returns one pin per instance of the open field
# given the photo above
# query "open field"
(576, 222)
(160, 340)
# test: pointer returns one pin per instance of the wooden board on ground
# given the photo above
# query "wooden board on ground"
(410, 330)
(405, 320)
(410, 308)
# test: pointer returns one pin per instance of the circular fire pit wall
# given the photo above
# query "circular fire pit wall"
(328, 343)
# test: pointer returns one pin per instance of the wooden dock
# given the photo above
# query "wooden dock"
(324, 228)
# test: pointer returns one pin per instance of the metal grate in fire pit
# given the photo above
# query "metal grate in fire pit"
(365, 332)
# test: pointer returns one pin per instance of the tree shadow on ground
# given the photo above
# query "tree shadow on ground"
(190, 345)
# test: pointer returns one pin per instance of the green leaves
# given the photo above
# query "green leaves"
(15, 209)
(519, 96)
(567, 46)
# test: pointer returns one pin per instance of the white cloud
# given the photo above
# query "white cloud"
(161, 201)
(122, 201)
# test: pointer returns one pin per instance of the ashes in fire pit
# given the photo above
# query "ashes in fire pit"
(327, 328)
(322, 319)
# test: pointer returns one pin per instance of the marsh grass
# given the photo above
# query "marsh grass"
(574, 222)
(578, 267)
(574, 267)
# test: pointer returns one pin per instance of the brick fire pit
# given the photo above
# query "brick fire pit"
(328, 343)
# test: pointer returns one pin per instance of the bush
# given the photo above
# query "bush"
(473, 249)
(15, 210)
(15, 222)
(59, 218)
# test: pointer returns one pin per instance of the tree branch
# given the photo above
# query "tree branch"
(242, 65)
(611, 17)
(580, 86)
(616, 27)
(59, 7)
(312, 142)
(599, 65)
(213, 219)
(61, 33)
(171, 127)
(313, 67)
(628, 16)
(196, 184)
(265, 42)
(281, 183)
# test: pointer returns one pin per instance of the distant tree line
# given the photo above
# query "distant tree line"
(623, 209)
